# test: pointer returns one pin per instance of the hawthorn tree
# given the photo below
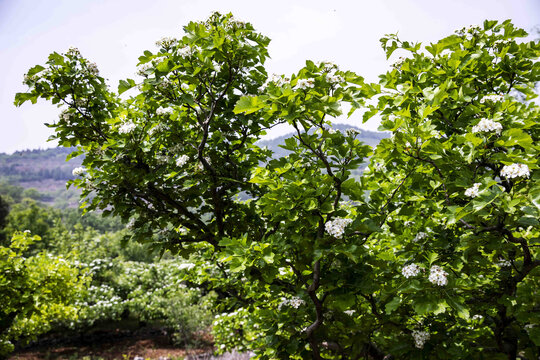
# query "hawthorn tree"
(430, 254)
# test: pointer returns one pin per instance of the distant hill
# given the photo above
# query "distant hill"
(47, 171)
(371, 138)
(44, 170)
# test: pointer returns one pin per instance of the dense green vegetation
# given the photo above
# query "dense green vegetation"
(62, 272)
(431, 253)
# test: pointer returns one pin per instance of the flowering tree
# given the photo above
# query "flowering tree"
(429, 254)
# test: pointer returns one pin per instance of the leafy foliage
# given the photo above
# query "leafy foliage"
(35, 291)
(431, 254)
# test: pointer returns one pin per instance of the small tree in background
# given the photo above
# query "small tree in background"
(430, 254)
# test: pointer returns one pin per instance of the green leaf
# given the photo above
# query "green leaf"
(248, 105)
(534, 195)
(125, 85)
(392, 305)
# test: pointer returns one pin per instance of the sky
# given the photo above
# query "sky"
(114, 33)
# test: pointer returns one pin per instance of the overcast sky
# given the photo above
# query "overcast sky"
(114, 33)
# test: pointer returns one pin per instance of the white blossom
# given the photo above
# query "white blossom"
(337, 226)
(349, 312)
(78, 171)
(187, 51)
(127, 127)
(487, 125)
(420, 338)
(492, 98)
(327, 65)
(92, 68)
(421, 235)
(66, 115)
(399, 62)
(166, 42)
(504, 263)
(515, 170)
(473, 191)
(131, 224)
(278, 80)
(410, 270)
(73, 51)
(163, 111)
(164, 84)
(379, 166)
(334, 79)
(141, 69)
(294, 302)
(477, 317)
(182, 160)
(438, 276)
(305, 84)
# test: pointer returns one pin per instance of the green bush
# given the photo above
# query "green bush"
(36, 291)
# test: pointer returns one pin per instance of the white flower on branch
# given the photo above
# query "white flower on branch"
(473, 191)
(305, 84)
(438, 276)
(337, 226)
(420, 338)
(127, 127)
(182, 160)
(487, 125)
(410, 270)
(78, 171)
(515, 170)
(421, 235)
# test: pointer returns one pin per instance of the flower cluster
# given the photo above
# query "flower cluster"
(158, 128)
(421, 235)
(66, 115)
(305, 84)
(164, 84)
(477, 317)
(515, 170)
(78, 171)
(352, 132)
(349, 312)
(473, 191)
(334, 79)
(410, 270)
(73, 51)
(399, 62)
(163, 111)
(468, 31)
(294, 302)
(234, 22)
(379, 166)
(487, 125)
(492, 98)
(420, 338)
(182, 160)
(127, 127)
(327, 65)
(504, 263)
(438, 276)
(92, 68)
(131, 224)
(143, 68)
(337, 226)
(166, 42)
(187, 51)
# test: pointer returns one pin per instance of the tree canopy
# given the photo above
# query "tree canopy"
(430, 254)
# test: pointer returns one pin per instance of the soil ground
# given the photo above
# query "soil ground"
(111, 346)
